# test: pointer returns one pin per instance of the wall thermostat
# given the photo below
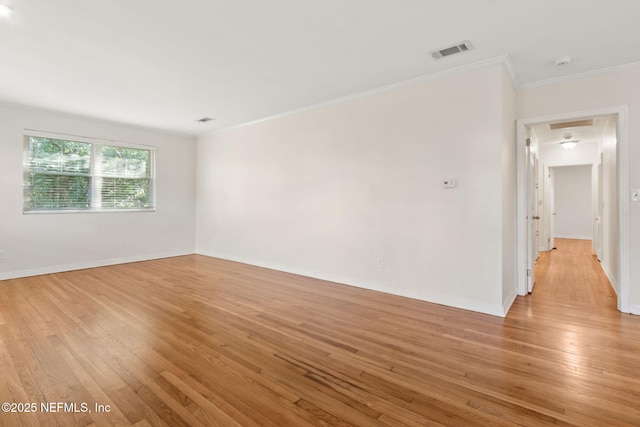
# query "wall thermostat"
(448, 183)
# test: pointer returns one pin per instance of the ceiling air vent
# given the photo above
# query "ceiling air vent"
(459, 48)
(572, 124)
(204, 120)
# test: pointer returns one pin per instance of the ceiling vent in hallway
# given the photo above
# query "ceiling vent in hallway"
(571, 124)
(452, 50)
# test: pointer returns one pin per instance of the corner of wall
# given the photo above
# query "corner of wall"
(508, 302)
(44, 243)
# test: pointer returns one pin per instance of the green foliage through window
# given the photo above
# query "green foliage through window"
(63, 174)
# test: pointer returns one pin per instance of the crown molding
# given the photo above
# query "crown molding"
(504, 59)
(579, 76)
(97, 119)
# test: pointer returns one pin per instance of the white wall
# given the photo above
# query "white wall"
(573, 202)
(328, 191)
(509, 192)
(43, 243)
(592, 93)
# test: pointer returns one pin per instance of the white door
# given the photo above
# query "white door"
(552, 208)
(537, 210)
(597, 220)
(532, 216)
(545, 209)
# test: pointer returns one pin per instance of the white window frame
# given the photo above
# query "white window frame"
(96, 177)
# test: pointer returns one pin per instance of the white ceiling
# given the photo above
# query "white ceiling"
(166, 64)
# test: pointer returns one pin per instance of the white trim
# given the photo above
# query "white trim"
(634, 309)
(579, 76)
(504, 59)
(609, 274)
(506, 305)
(87, 139)
(89, 264)
(435, 298)
(622, 150)
(86, 211)
(512, 72)
(622, 164)
(97, 120)
(521, 207)
(564, 236)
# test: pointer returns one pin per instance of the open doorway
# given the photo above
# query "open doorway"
(573, 205)
(589, 169)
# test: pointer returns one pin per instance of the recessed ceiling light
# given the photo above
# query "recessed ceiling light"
(5, 11)
(205, 119)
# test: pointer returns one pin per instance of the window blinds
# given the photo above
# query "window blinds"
(78, 174)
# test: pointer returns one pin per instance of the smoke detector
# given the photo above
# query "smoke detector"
(563, 60)
(452, 50)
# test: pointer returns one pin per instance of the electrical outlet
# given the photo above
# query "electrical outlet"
(1, 255)
(635, 196)
(380, 262)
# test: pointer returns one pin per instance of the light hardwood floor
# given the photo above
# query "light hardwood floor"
(200, 341)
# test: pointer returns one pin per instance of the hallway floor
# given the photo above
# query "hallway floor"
(571, 274)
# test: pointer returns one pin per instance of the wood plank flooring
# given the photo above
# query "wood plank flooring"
(197, 341)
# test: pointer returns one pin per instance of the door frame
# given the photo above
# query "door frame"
(551, 209)
(622, 166)
(533, 248)
(597, 191)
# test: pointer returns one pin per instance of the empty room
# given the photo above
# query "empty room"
(365, 213)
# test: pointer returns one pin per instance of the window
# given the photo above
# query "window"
(73, 174)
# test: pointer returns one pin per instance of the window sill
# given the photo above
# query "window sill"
(85, 211)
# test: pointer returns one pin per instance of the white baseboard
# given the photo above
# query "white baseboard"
(609, 274)
(574, 237)
(634, 309)
(432, 297)
(509, 302)
(89, 264)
